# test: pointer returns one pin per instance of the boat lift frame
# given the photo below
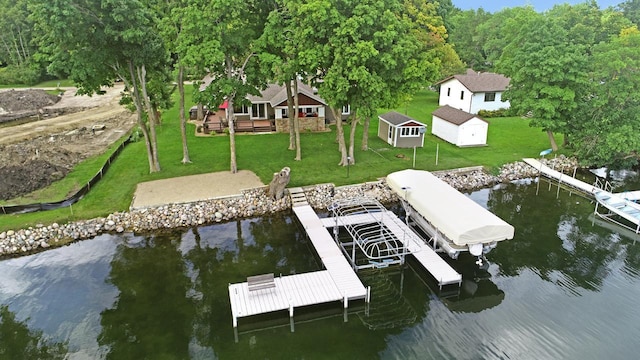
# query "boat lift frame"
(362, 217)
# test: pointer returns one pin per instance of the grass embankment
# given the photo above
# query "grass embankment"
(44, 84)
(509, 139)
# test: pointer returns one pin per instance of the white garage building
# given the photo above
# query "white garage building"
(459, 127)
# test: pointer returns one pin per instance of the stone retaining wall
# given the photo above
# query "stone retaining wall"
(254, 202)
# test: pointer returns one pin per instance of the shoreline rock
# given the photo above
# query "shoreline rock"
(251, 203)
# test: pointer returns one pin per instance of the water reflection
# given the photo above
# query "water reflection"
(564, 287)
(18, 341)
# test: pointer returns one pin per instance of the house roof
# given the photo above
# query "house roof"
(275, 94)
(480, 82)
(397, 119)
(454, 116)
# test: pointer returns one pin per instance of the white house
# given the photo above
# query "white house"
(459, 127)
(474, 91)
(400, 130)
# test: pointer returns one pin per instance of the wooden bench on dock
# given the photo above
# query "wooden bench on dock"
(259, 282)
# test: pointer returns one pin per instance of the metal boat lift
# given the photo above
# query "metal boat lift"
(364, 219)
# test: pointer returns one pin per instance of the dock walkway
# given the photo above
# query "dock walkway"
(338, 282)
(442, 272)
(562, 178)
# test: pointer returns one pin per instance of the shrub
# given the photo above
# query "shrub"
(495, 113)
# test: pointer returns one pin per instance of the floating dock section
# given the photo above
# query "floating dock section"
(338, 282)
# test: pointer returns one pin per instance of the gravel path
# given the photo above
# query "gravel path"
(193, 188)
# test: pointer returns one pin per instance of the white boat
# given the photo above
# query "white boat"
(618, 204)
(453, 222)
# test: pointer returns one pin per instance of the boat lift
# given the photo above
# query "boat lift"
(363, 218)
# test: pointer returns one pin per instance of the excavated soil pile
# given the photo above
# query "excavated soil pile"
(16, 104)
(34, 154)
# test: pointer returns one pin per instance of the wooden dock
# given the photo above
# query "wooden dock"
(338, 282)
(441, 271)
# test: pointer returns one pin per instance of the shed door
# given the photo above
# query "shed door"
(390, 135)
(472, 135)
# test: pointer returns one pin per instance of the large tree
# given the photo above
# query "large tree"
(223, 35)
(171, 27)
(547, 70)
(608, 121)
(97, 41)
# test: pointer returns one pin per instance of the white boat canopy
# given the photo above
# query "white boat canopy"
(456, 216)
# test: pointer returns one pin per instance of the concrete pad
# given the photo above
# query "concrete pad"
(193, 188)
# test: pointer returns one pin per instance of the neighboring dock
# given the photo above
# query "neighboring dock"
(338, 282)
(562, 178)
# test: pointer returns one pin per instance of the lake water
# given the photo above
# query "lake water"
(566, 287)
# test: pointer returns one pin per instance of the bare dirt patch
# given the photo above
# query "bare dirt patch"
(36, 153)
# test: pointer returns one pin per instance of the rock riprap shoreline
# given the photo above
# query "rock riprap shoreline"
(253, 202)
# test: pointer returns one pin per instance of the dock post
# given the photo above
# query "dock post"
(345, 316)
(235, 322)
(235, 334)
(290, 310)
(368, 294)
(292, 325)
(346, 302)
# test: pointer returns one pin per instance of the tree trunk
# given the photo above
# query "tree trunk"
(183, 120)
(231, 120)
(352, 136)
(340, 136)
(25, 53)
(151, 115)
(292, 115)
(552, 140)
(297, 122)
(143, 127)
(200, 112)
(365, 133)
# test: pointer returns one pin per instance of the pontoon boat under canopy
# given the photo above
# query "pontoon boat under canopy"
(456, 216)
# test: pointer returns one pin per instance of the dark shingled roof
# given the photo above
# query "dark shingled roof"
(481, 82)
(453, 115)
(395, 118)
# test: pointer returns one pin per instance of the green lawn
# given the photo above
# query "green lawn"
(49, 84)
(509, 139)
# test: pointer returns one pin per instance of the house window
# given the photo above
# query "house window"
(346, 110)
(410, 131)
(240, 109)
(284, 113)
(448, 91)
(259, 111)
(462, 95)
(489, 97)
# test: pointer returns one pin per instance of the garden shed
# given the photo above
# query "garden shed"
(401, 130)
(459, 127)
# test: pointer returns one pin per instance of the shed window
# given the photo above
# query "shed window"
(413, 131)
(448, 91)
(489, 97)
(462, 95)
(346, 110)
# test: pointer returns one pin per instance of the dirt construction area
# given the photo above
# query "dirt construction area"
(43, 136)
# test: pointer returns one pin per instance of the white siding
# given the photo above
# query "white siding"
(444, 130)
(478, 103)
(472, 133)
(454, 88)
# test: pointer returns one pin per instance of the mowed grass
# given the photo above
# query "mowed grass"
(509, 139)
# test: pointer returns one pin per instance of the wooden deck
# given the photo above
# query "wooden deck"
(441, 271)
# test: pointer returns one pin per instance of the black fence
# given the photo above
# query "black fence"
(21, 209)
